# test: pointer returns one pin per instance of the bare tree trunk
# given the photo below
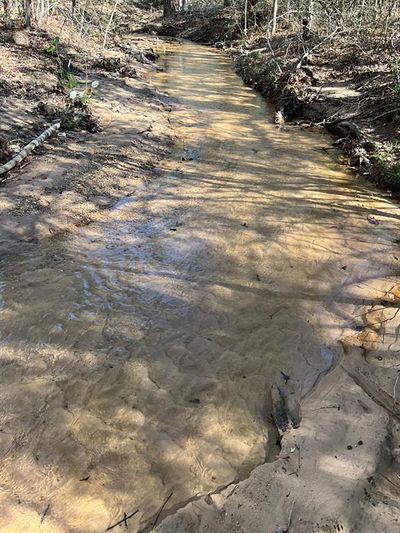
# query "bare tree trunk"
(245, 15)
(169, 8)
(6, 7)
(83, 12)
(109, 23)
(288, 12)
(310, 13)
(389, 14)
(28, 13)
(274, 17)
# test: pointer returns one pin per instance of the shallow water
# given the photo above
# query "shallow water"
(137, 357)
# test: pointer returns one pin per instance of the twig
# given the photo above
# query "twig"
(161, 510)
(387, 113)
(391, 482)
(365, 313)
(123, 520)
(337, 31)
(385, 319)
(109, 23)
(290, 516)
(45, 513)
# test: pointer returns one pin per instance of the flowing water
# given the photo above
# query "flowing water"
(137, 357)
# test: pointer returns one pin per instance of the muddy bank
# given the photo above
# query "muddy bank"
(350, 91)
(102, 152)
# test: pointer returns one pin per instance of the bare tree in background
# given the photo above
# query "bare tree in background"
(28, 13)
(358, 19)
(169, 8)
(109, 23)
(6, 8)
(274, 16)
(310, 13)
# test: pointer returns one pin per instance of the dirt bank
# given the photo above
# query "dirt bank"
(102, 152)
(348, 89)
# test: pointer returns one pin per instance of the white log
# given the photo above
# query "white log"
(28, 148)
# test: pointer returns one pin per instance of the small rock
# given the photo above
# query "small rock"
(20, 38)
(279, 118)
(372, 220)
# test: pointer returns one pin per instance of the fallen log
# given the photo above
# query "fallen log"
(28, 148)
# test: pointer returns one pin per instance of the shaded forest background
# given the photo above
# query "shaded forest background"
(358, 18)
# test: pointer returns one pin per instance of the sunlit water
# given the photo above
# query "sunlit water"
(137, 357)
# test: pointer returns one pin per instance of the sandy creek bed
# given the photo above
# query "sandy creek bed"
(137, 356)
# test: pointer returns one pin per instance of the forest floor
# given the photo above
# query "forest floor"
(102, 151)
(349, 87)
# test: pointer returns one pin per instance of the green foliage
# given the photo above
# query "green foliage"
(85, 96)
(54, 46)
(395, 171)
(70, 81)
(77, 113)
(379, 157)
(82, 98)
(391, 177)
(76, 120)
(385, 171)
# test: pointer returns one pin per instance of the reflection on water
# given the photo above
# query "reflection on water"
(137, 357)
